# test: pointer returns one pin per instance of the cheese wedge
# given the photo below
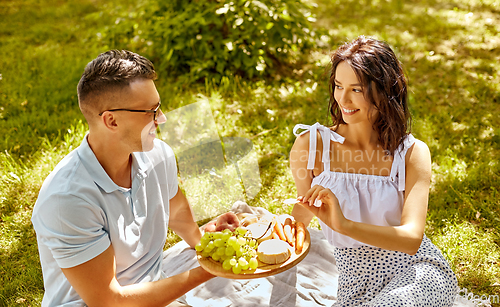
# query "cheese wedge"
(261, 231)
(273, 251)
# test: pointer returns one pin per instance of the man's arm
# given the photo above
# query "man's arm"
(95, 282)
(181, 219)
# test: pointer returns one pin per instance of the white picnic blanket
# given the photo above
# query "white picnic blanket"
(312, 282)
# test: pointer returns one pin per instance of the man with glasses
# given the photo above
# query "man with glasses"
(103, 214)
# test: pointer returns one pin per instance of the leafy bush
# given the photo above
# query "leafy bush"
(196, 39)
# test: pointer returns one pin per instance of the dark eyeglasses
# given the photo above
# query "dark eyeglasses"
(155, 111)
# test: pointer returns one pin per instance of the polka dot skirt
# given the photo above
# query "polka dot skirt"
(371, 276)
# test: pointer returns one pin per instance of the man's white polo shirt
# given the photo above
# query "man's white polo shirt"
(80, 211)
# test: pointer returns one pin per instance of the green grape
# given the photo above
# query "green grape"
(241, 230)
(252, 243)
(199, 247)
(237, 247)
(253, 263)
(236, 269)
(204, 243)
(226, 265)
(242, 241)
(221, 250)
(226, 235)
(218, 242)
(215, 256)
(210, 246)
(242, 261)
(217, 235)
(222, 258)
(230, 251)
(231, 241)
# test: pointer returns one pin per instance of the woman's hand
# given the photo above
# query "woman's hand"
(325, 205)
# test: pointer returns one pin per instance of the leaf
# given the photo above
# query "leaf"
(169, 54)
(220, 66)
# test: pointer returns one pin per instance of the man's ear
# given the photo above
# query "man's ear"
(109, 120)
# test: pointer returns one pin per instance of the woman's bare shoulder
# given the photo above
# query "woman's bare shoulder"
(419, 155)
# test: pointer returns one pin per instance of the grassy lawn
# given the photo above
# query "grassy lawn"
(451, 53)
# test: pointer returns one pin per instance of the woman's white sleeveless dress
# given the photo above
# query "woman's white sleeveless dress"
(371, 276)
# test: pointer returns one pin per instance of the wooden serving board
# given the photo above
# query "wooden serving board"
(263, 270)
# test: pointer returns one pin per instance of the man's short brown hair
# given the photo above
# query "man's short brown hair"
(110, 71)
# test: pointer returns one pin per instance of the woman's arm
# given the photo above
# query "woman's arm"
(302, 176)
(406, 237)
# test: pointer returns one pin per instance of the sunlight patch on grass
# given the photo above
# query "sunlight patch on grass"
(472, 253)
(10, 234)
(447, 167)
(459, 126)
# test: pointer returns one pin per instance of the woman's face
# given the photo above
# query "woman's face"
(349, 95)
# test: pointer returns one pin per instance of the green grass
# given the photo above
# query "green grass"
(449, 49)
(22, 284)
(44, 46)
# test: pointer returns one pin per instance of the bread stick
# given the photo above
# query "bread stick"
(287, 228)
(300, 235)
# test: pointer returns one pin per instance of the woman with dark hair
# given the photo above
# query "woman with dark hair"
(367, 180)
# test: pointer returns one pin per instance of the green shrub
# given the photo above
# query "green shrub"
(200, 39)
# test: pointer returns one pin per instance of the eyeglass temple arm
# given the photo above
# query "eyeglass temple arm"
(137, 111)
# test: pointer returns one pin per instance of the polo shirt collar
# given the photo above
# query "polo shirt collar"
(140, 166)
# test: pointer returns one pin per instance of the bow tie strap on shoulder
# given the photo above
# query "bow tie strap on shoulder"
(326, 136)
(305, 127)
(398, 170)
(312, 141)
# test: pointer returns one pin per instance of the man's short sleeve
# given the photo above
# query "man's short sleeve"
(72, 229)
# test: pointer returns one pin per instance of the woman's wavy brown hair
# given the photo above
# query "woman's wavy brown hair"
(383, 83)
